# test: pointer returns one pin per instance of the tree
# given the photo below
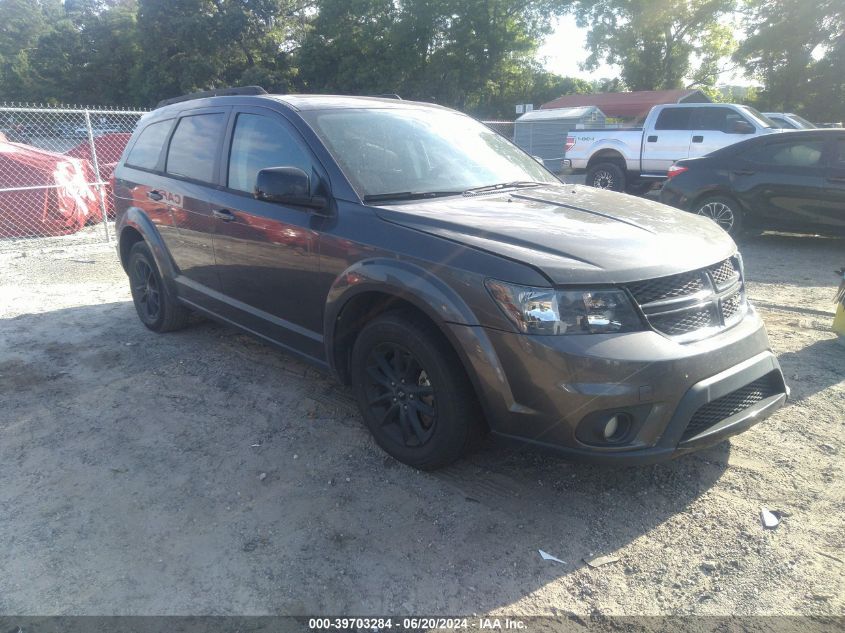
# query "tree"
(655, 43)
(463, 53)
(796, 49)
(477, 55)
(196, 44)
(22, 24)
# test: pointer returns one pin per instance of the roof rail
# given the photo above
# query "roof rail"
(217, 92)
(389, 95)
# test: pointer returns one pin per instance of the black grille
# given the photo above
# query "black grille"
(667, 287)
(731, 404)
(669, 303)
(724, 273)
(731, 306)
(683, 322)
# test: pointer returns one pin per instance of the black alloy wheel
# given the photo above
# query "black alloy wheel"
(156, 307)
(401, 395)
(414, 394)
(146, 290)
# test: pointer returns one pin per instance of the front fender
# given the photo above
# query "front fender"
(445, 307)
(403, 280)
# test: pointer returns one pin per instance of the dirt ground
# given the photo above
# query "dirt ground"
(203, 472)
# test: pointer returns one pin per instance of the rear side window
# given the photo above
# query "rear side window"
(260, 142)
(719, 120)
(674, 119)
(193, 148)
(147, 148)
(789, 154)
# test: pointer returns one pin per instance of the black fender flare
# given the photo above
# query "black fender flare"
(136, 219)
(403, 280)
(440, 303)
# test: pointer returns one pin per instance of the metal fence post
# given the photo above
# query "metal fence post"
(97, 174)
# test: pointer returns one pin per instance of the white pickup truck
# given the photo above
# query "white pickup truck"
(632, 159)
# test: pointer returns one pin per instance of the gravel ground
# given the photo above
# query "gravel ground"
(203, 472)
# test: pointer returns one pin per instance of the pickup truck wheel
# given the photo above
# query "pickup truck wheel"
(154, 305)
(413, 393)
(723, 211)
(606, 176)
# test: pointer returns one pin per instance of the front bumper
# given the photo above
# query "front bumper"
(545, 390)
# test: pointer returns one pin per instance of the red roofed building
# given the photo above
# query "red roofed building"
(628, 105)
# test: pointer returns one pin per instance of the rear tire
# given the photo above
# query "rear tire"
(724, 211)
(155, 307)
(608, 176)
(413, 393)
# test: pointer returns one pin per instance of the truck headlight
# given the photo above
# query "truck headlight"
(550, 311)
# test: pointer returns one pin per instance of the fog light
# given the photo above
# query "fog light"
(605, 428)
(611, 427)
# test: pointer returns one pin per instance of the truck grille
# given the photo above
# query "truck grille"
(735, 402)
(692, 305)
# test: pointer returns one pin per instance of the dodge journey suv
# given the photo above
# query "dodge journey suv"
(444, 274)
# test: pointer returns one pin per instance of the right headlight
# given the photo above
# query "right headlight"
(550, 311)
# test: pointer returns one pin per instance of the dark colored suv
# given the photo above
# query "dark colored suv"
(456, 284)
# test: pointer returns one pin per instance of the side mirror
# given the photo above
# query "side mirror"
(287, 185)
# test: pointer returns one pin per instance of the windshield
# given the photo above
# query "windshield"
(416, 150)
(761, 119)
(802, 122)
(780, 121)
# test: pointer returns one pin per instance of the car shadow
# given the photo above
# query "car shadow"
(813, 368)
(206, 472)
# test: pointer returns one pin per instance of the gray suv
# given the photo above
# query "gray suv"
(444, 274)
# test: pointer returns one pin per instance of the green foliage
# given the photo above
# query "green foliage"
(465, 53)
(478, 56)
(797, 49)
(196, 44)
(655, 42)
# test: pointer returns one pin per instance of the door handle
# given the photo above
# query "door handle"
(652, 139)
(836, 178)
(697, 139)
(155, 195)
(223, 214)
(744, 172)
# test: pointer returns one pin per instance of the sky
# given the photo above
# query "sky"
(565, 48)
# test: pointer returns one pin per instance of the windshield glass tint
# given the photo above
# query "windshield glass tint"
(420, 150)
(803, 122)
(761, 119)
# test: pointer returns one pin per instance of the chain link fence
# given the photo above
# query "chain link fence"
(505, 128)
(55, 166)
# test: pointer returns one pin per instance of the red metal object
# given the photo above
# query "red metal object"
(43, 193)
(109, 149)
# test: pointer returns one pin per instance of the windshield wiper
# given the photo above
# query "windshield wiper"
(408, 195)
(503, 185)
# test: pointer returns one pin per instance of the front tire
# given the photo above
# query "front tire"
(155, 307)
(608, 176)
(723, 211)
(414, 395)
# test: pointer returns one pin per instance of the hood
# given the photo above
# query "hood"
(572, 233)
